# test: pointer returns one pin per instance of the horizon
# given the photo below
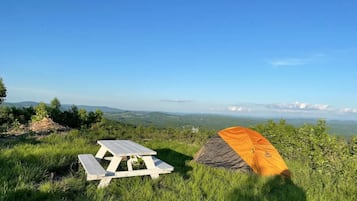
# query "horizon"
(234, 115)
(282, 59)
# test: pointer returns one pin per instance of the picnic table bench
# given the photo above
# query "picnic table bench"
(122, 151)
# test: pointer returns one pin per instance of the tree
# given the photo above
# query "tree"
(55, 110)
(98, 115)
(41, 112)
(2, 91)
(55, 104)
(94, 117)
(83, 116)
(6, 118)
(71, 117)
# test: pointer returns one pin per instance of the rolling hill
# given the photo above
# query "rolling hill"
(207, 121)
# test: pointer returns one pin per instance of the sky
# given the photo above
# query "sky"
(244, 58)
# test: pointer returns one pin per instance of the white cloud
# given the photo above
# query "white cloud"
(298, 106)
(288, 62)
(297, 61)
(238, 109)
(349, 110)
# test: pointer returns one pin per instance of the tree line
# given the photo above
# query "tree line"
(73, 117)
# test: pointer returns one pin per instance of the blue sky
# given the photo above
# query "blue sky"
(260, 58)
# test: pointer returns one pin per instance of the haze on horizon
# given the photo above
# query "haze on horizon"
(256, 58)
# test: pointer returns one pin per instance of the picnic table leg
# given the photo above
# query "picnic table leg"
(129, 164)
(149, 163)
(113, 166)
(101, 152)
(104, 182)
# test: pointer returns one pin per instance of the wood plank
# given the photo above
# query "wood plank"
(125, 148)
(150, 165)
(114, 164)
(92, 167)
(136, 173)
(162, 165)
(101, 152)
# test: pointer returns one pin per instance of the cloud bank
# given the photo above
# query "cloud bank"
(300, 106)
(294, 109)
(349, 110)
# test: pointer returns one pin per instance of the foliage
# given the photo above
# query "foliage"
(315, 146)
(41, 111)
(55, 104)
(328, 158)
(96, 116)
(2, 91)
(353, 145)
(12, 115)
(55, 110)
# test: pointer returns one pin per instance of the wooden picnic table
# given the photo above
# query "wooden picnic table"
(122, 151)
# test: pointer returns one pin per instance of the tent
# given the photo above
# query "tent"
(243, 149)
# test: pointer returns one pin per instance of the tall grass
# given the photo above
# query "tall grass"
(47, 169)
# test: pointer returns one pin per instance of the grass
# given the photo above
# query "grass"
(47, 169)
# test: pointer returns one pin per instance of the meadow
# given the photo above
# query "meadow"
(34, 167)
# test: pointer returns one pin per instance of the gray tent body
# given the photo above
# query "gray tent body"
(217, 153)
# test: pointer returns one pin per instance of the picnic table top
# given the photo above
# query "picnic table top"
(125, 148)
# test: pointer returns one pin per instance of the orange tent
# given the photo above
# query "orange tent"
(254, 151)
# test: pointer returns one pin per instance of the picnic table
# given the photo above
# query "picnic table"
(122, 151)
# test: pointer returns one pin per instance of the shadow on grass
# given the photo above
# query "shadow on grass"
(176, 159)
(36, 195)
(31, 195)
(25, 194)
(277, 188)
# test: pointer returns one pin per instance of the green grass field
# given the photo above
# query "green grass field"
(46, 168)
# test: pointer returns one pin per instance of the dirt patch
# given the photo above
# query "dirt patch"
(46, 125)
(19, 130)
(37, 129)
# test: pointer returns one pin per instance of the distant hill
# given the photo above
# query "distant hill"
(104, 109)
(161, 119)
(217, 122)
(21, 104)
(207, 121)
